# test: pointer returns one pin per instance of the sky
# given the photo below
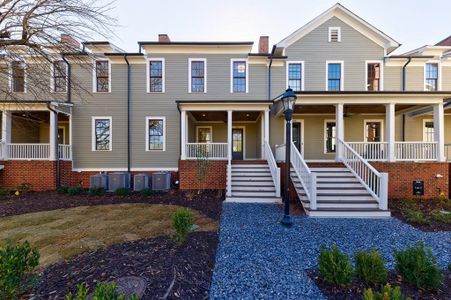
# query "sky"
(413, 23)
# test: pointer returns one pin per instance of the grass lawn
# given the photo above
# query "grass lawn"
(64, 233)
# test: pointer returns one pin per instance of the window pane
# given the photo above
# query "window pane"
(102, 73)
(428, 131)
(239, 85)
(330, 136)
(102, 134)
(204, 135)
(373, 79)
(197, 76)
(334, 77)
(156, 138)
(18, 70)
(102, 84)
(59, 76)
(431, 77)
(156, 76)
(239, 69)
(295, 76)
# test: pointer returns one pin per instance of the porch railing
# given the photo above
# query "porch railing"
(207, 150)
(416, 151)
(65, 152)
(376, 183)
(28, 151)
(305, 175)
(448, 152)
(371, 151)
(275, 170)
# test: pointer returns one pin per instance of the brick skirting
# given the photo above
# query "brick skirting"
(40, 174)
(216, 177)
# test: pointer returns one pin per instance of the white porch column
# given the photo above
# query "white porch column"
(183, 135)
(265, 131)
(53, 135)
(339, 123)
(6, 132)
(390, 131)
(229, 135)
(439, 131)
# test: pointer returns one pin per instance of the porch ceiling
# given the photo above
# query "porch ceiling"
(214, 116)
(354, 109)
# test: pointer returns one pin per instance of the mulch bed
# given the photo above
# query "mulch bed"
(158, 260)
(355, 291)
(208, 202)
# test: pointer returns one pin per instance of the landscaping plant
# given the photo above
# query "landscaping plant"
(415, 216)
(122, 192)
(17, 263)
(99, 191)
(182, 221)
(62, 189)
(102, 291)
(147, 192)
(334, 266)
(418, 267)
(444, 217)
(202, 165)
(76, 190)
(370, 267)
(23, 188)
(4, 192)
(387, 293)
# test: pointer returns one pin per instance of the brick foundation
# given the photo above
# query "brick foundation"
(40, 174)
(216, 177)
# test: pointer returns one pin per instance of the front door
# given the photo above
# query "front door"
(297, 135)
(237, 143)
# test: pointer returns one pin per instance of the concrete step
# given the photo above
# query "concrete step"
(343, 204)
(237, 188)
(329, 169)
(340, 185)
(252, 174)
(336, 179)
(269, 200)
(250, 166)
(252, 183)
(242, 193)
(348, 213)
(334, 175)
(250, 170)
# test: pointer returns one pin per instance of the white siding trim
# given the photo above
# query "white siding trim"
(190, 60)
(147, 133)
(302, 72)
(342, 79)
(93, 135)
(338, 29)
(439, 70)
(381, 79)
(94, 77)
(232, 60)
(142, 169)
(163, 74)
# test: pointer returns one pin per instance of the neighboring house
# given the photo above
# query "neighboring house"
(160, 108)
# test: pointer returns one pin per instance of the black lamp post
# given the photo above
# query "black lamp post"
(288, 100)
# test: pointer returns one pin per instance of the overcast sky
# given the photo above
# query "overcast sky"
(412, 23)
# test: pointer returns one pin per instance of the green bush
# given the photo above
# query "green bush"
(418, 267)
(75, 190)
(4, 192)
(62, 189)
(441, 217)
(147, 192)
(17, 263)
(370, 267)
(387, 293)
(122, 191)
(415, 216)
(99, 191)
(334, 266)
(102, 291)
(182, 220)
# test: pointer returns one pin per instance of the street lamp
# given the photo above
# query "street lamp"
(288, 101)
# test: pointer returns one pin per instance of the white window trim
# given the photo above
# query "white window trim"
(330, 34)
(302, 72)
(94, 77)
(231, 74)
(10, 81)
(52, 73)
(439, 79)
(342, 79)
(93, 135)
(424, 127)
(197, 132)
(365, 121)
(325, 135)
(147, 133)
(381, 79)
(190, 60)
(163, 75)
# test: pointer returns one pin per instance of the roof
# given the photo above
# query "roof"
(102, 45)
(444, 42)
(349, 18)
(153, 43)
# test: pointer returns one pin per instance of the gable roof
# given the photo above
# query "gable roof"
(350, 19)
(445, 42)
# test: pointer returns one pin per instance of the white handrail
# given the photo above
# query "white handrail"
(371, 151)
(376, 183)
(64, 152)
(275, 170)
(207, 150)
(416, 151)
(305, 175)
(28, 151)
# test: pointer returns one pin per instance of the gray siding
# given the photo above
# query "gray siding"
(415, 78)
(392, 78)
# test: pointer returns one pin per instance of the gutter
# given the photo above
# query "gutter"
(57, 158)
(69, 85)
(404, 73)
(128, 112)
(271, 55)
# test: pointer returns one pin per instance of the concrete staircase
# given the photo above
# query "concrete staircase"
(339, 194)
(252, 183)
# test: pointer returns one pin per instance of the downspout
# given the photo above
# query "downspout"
(69, 86)
(128, 112)
(57, 158)
(404, 74)
(269, 71)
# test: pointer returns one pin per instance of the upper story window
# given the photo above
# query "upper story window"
(101, 135)
(102, 76)
(197, 75)
(59, 80)
(295, 76)
(373, 73)
(156, 76)
(18, 77)
(334, 34)
(156, 133)
(431, 77)
(239, 76)
(334, 76)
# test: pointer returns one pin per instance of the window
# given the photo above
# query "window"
(334, 76)
(431, 77)
(334, 34)
(59, 82)
(156, 132)
(102, 76)
(295, 76)
(330, 135)
(239, 76)
(428, 131)
(373, 130)
(204, 134)
(373, 81)
(155, 82)
(101, 136)
(197, 75)
(18, 77)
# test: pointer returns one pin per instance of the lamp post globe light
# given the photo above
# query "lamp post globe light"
(288, 101)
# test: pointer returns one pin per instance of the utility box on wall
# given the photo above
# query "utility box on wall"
(418, 188)
(118, 180)
(161, 181)
(98, 181)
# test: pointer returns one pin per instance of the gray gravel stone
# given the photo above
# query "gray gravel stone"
(258, 258)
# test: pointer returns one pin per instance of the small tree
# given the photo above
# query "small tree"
(203, 162)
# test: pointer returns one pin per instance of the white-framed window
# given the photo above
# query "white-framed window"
(428, 130)
(102, 134)
(102, 76)
(334, 35)
(197, 75)
(330, 134)
(334, 75)
(295, 75)
(204, 134)
(373, 130)
(374, 75)
(18, 78)
(432, 74)
(59, 77)
(155, 133)
(239, 75)
(155, 75)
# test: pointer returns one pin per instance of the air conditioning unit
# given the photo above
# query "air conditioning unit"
(98, 181)
(140, 182)
(161, 181)
(118, 180)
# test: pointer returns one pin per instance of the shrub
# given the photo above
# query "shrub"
(16, 266)
(370, 267)
(102, 291)
(62, 189)
(4, 192)
(75, 190)
(23, 187)
(182, 221)
(147, 192)
(441, 217)
(99, 191)
(334, 266)
(415, 216)
(387, 293)
(122, 191)
(418, 267)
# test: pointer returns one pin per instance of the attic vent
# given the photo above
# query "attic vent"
(334, 34)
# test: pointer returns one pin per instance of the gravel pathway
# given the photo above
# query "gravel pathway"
(258, 258)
